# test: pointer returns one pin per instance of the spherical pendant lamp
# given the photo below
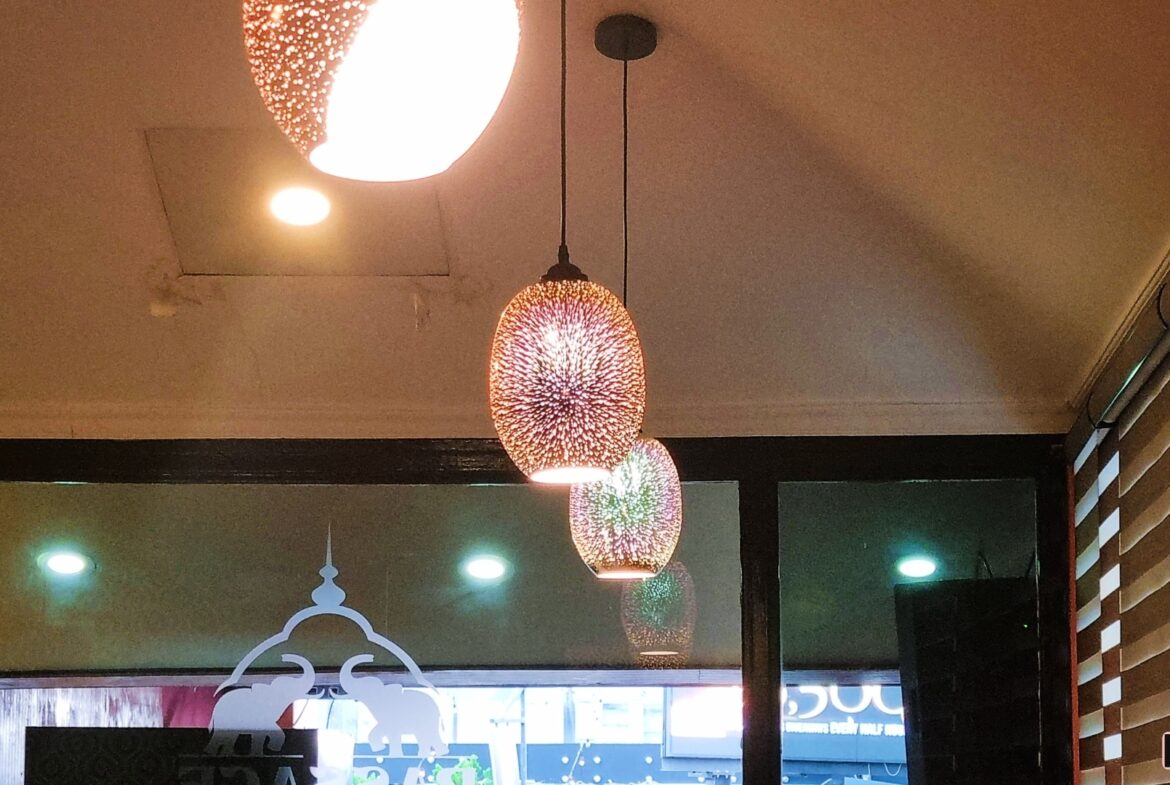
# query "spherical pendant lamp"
(382, 90)
(566, 382)
(658, 615)
(627, 526)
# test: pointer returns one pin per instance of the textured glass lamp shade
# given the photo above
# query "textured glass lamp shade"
(659, 617)
(382, 90)
(627, 526)
(567, 385)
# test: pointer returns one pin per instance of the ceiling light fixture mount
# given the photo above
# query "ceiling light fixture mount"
(626, 37)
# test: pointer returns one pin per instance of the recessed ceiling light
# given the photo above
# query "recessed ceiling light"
(917, 567)
(300, 206)
(485, 568)
(65, 563)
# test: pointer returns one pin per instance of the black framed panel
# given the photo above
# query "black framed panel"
(756, 464)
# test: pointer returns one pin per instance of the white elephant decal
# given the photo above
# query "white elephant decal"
(254, 711)
(396, 711)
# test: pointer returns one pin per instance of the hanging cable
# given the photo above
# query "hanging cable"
(625, 179)
(564, 127)
(564, 269)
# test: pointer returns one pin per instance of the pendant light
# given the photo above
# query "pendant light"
(658, 615)
(382, 90)
(627, 526)
(567, 385)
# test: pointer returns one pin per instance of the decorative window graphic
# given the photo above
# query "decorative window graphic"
(245, 718)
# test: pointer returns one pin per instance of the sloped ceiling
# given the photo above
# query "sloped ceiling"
(913, 217)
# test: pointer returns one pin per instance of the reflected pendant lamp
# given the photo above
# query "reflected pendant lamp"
(566, 382)
(627, 526)
(658, 615)
(382, 90)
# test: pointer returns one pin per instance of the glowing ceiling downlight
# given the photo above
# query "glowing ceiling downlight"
(300, 206)
(627, 526)
(64, 563)
(486, 568)
(659, 616)
(917, 567)
(382, 90)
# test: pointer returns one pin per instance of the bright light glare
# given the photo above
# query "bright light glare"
(917, 567)
(419, 84)
(626, 575)
(485, 568)
(66, 563)
(335, 752)
(300, 206)
(571, 475)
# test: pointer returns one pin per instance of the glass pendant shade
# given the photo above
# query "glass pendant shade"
(567, 385)
(382, 90)
(627, 526)
(658, 615)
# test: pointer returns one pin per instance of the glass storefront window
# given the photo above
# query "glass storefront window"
(897, 601)
(189, 578)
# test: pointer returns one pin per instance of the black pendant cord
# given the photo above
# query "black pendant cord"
(564, 270)
(625, 179)
(564, 126)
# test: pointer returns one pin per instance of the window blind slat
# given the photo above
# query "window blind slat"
(1139, 650)
(1092, 753)
(1146, 586)
(1089, 668)
(1093, 776)
(1145, 679)
(1089, 639)
(1089, 701)
(1149, 772)
(1142, 743)
(1142, 711)
(1090, 613)
(1088, 585)
(1143, 421)
(1146, 505)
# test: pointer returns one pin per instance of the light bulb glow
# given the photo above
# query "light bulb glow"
(569, 475)
(658, 615)
(628, 526)
(485, 568)
(567, 408)
(299, 206)
(917, 567)
(382, 90)
(66, 563)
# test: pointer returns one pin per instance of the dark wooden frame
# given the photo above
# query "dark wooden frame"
(758, 465)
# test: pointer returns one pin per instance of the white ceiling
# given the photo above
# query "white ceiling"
(918, 217)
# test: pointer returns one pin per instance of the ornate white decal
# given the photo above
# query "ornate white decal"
(255, 710)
